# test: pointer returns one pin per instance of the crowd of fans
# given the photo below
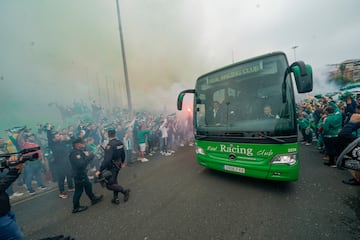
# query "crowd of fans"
(328, 123)
(332, 122)
(143, 134)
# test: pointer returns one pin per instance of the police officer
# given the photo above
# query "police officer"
(79, 160)
(114, 158)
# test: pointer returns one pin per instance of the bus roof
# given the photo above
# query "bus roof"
(245, 61)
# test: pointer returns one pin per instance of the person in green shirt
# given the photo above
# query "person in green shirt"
(331, 127)
(141, 136)
(305, 128)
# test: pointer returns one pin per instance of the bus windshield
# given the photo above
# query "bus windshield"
(246, 99)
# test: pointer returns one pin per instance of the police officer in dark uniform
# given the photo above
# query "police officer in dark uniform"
(79, 160)
(114, 158)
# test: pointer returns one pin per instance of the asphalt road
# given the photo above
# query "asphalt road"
(175, 198)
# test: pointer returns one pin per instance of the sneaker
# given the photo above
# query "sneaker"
(150, 154)
(307, 144)
(351, 181)
(96, 199)
(63, 195)
(79, 209)
(333, 165)
(115, 201)
(71, 189)
(42, 188)
(17, 194)
(31, 192)
(167, 154)
(144, 160)
(126, 195)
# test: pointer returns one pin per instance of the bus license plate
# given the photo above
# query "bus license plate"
(234, 169)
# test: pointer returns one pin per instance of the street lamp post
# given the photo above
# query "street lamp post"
(294, 48)
(124, 58)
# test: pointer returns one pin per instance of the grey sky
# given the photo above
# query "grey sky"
(69, 49)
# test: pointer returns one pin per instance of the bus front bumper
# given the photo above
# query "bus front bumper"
(277, 172)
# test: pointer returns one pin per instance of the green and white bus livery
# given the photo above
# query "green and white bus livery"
(244, 117)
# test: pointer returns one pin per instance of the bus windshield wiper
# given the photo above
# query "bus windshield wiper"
(201, 136)
(272, 138)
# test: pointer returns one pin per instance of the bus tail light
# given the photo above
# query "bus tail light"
(289, 159)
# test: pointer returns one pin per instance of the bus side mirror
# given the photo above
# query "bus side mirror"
(181, 98)
(180, 101)
(303, 76)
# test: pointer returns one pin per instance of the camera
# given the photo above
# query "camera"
(6, 164)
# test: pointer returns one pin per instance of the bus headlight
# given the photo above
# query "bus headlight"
(200, 150)
(289, 159)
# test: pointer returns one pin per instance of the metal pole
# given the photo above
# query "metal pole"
(108, 92)
(124, 58)
(294, 47)
(99, 89)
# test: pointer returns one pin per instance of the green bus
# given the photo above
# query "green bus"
(244, 117)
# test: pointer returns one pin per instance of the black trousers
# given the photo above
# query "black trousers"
(80, 185)
(332, 148)
(113, 184)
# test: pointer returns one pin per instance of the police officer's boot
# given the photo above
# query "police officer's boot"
(126, 195)
(115, 199)
(79, 209)
(96, 199)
